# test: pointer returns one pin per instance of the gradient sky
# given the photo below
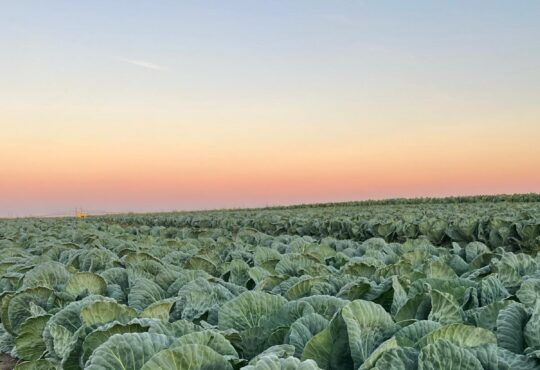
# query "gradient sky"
(162, 105)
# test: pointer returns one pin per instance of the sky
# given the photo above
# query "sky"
(140, 106)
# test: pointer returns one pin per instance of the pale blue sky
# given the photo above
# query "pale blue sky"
(265, 49)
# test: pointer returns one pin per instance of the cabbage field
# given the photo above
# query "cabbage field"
(428, 284)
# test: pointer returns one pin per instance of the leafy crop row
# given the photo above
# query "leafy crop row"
(169, 292)
(512, 225)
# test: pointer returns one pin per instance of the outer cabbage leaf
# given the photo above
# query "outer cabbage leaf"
(84, 283)
(69, 319)
(444, 308)
(325, 305)
(103, 333)
(249, 310)
(330, 348)
(20, 306)
(510, 325)
(52, 275)
(512, 361)
(443, 355)
(187, 357)
(368, 325)
(286, 315)
(201, 298)
(37, 365)
(143, 293)
(532, 328)
(400, 358)
(303, 329)
(279, 351)
(159, 310)
(173, 329)
(414, 332)
(127, 351)
(417, 307)
(208, 338)
(271, 362)
(512, 267)
(30, 343)
(486, 317)
(460, 335)
(102, 312)
(492, 290)
(385, 346)
(529, 292)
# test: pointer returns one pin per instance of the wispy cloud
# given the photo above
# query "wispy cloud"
(143, 64)
(339, 19)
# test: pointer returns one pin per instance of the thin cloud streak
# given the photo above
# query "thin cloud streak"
(143, 64)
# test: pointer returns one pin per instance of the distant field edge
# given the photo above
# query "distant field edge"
(495, 198)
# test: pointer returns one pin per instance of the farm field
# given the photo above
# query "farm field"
(426, 284)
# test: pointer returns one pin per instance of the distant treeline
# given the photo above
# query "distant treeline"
(517, 198)
(512, 198)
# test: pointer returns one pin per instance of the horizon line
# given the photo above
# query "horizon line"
(381, 201)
